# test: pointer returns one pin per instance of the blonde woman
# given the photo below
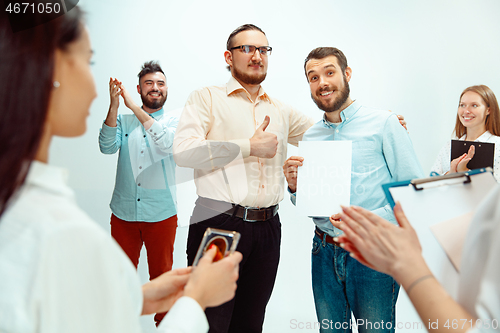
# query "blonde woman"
(478, 119)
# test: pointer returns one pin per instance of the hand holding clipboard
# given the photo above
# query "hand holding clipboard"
(471, 155)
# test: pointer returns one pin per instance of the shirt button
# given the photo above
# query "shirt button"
(139, 184)
(126, 134)
(262, 164)
(144, 135)
(337, 131)
(138, 199)
(142, 151)
(140, 167)
(262, 186)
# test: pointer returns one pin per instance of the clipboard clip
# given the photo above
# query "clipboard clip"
(464, 174)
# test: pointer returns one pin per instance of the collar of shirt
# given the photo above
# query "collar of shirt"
(483, 138)
(156, 114)
(233, 86)
(345, 115)
(48, 177)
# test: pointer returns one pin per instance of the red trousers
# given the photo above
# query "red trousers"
(158, 237)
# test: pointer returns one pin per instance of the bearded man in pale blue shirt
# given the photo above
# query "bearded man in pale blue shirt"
(143, 205)
(382, 152)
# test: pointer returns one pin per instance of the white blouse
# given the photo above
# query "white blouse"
(60, 272)
(442, 164)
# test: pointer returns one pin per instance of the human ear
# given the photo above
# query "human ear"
(348, 73)
(228, 56)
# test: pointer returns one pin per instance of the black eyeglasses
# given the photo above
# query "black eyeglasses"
(250, 49)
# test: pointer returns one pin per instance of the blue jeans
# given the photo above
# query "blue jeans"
(341, 284)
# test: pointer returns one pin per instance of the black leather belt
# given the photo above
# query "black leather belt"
(328, 239)
(245, 213)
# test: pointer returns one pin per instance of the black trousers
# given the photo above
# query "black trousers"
(260, 246)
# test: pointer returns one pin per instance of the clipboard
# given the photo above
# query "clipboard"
(467, 174)
(428, 202)
(483, 157)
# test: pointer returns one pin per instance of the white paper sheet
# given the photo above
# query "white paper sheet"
(324, 181)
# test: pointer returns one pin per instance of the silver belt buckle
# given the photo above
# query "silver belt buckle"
(245, 214)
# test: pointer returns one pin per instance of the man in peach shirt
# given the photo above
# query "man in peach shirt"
(235, 137)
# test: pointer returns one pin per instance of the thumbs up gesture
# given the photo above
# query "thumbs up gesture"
(262, 143)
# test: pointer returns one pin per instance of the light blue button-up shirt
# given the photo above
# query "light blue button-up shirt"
(382, 152)
(145, 177)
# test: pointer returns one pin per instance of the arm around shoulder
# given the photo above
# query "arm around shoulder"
(398, 151)
(299, 124)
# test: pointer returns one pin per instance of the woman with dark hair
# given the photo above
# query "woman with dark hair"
(478, 119)
(59, 271)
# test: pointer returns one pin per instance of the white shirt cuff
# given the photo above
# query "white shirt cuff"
(185, 316)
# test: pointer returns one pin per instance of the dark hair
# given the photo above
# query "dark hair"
(150, 67)
(27, 60)
(323, 52)
(241, 28)
(492, 120)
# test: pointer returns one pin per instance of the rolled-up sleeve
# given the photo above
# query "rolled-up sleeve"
(162, 133)
(110, 138)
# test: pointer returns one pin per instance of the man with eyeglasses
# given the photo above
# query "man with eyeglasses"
(240, 120)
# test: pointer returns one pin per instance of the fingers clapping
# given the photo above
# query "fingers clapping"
(378, 243)
(459, 164)
(114, 92)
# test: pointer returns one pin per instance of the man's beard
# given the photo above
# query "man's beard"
(337, 103)
(247, 79)
(154, 104)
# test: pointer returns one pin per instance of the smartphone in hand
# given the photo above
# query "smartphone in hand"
(225, 242)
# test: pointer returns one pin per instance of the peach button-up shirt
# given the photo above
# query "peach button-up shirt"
(213, 137)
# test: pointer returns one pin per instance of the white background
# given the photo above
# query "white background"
(412, 57)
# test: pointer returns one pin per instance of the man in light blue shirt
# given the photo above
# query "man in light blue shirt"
(144, 203)
(381, 153)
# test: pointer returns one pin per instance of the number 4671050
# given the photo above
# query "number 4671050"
(26, 7)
